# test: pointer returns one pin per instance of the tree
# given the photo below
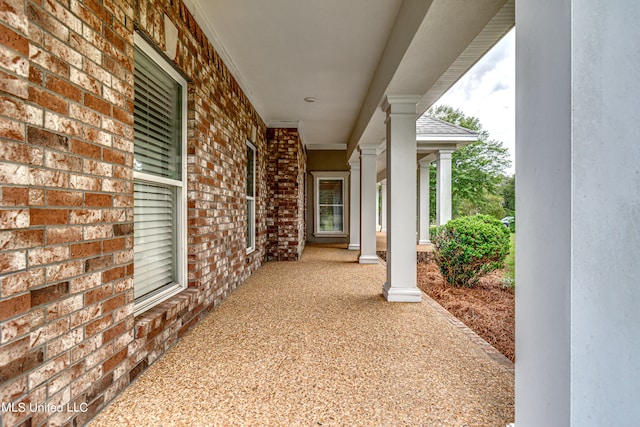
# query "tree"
(477, 169)
(509, 195)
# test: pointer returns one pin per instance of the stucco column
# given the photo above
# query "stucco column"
(401, 199)
(367, 206)
(354, 206)
(383, 207)
(377, 207)
(423, 202)
(443, 186)
(577, 269)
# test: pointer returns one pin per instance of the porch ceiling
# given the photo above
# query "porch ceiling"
(348, 55)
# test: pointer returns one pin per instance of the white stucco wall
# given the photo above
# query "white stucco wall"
(578, 207)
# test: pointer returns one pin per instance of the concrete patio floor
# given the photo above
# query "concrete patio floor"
(314, 343)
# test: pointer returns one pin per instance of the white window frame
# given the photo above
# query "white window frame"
(251, 216)
(338, 176)
(146, 302)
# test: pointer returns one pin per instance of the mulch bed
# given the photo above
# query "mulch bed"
(487, 309)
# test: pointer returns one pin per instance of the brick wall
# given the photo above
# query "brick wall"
(286, 172)
(67, 328)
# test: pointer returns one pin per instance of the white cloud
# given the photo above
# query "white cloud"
(487, 92)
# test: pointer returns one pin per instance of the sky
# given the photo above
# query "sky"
(487, 92)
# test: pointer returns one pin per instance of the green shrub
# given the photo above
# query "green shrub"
(509, 278)
(467, 248)
(432, 232)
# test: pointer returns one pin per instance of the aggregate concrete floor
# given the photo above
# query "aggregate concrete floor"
(314, 343)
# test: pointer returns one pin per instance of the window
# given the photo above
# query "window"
(159, 178)
(330, 207)
(251, 197)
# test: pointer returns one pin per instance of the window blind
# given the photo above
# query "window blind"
(157, 118)
(154, 237)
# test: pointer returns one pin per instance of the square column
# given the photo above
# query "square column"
(401, 199)
(443, 186)
(383, 207)
(378, 227)
(423, 201)
(368, 201)
(354, 206)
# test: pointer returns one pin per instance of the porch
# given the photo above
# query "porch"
(315, 343)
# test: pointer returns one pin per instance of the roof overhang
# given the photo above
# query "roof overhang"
(349, 55)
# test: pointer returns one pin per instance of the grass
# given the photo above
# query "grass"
(509, 278)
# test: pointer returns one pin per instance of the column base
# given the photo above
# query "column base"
(354, 246)
(424, 242)
(368, 259)
(396, 294)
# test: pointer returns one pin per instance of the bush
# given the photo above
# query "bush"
(469, 247)
(432, 232)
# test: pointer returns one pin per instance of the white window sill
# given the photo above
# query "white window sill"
(330, 235)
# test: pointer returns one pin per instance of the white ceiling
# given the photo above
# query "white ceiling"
(349, 54)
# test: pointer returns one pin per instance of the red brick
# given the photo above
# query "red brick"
(15, 196)
(114, 360)
(83, 250)
(122, 229)
(113, 274)
(98, 263)
(20, 359)
(85, 149)
(113, 245)
(98, 294)
(47, 139)
(114, 331)
(48, 294)
(14, 306)
(123, 116)
(97, 104)
(98, 200)
(112, 156)
(64, 88)
(13, 40)
(115, 39)
(48, 100)
(98, 325)
(63, 198)
(113, 303)
(49, 216)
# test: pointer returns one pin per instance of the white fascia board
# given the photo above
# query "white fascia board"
(324, 146)
(446, 138)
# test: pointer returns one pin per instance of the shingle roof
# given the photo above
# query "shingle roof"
(429, 126)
